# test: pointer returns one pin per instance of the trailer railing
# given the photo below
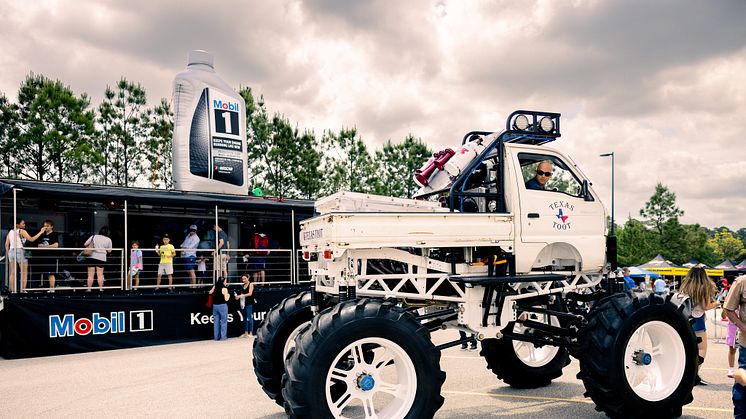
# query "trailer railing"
(70, 269)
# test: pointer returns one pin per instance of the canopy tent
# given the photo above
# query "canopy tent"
(726, 265)
(636, 272)
(694, 262)
(660, 265)
(742, 266)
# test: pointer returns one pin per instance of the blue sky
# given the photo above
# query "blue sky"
(660, 83)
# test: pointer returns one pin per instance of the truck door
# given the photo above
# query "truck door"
(552, 209)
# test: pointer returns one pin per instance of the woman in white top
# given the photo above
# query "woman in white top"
(97, 259)
(14, 249)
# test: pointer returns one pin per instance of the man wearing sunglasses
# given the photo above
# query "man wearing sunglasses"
(543, 173)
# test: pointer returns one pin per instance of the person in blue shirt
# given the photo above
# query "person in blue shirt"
(629, 283)
(543, 173)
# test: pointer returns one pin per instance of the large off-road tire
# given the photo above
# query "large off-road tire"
(274, 339)
(362, 359)
(522, 364)
(638, 355)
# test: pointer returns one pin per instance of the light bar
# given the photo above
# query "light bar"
(521, 122)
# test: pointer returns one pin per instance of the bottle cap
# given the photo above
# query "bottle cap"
(199, 56)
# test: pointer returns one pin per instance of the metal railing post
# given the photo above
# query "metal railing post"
(126, 256)
(293, 256)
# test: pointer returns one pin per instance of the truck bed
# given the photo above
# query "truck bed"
(372, 230)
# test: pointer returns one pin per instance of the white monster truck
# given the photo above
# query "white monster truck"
(525, 266)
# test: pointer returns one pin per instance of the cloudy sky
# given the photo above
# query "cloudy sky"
(661, 83)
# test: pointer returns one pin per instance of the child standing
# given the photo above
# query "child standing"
(167, 253)
(135, 263)
(201, 269)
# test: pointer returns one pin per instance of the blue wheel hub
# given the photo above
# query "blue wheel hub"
(642, 358)
(365, 382)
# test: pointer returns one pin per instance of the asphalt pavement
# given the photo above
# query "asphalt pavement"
(215, 379)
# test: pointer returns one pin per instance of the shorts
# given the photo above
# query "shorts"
(699, 324)
(47, 269)
(730, 339)
(94, 263)
(165, 268)
(16, 255)
(223, 258)
(190, 263)
(257, 265)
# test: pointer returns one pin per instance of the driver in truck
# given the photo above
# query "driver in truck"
(543, 173)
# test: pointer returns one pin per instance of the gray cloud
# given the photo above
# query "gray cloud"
(660, 83)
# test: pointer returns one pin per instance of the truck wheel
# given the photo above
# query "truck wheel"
(639, 354)
(523, 364)
(366, 358)
(275, 338)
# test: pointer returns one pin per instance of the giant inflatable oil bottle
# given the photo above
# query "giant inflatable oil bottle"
(209, 144)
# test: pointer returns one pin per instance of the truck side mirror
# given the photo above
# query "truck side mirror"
(584, 192)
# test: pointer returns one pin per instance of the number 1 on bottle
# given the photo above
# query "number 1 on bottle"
(227, 119)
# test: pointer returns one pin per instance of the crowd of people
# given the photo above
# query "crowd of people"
(193, 258)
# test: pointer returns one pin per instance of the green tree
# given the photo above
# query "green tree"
(679, 242)
(55, 127)
(725, 246)
(347, 162)
(636, 244)
(159, 125)
(105, 172)
(696, 242)
(307, 171)
(123, 124)
(741, 235)
(257, 133)
(395, 165)
(8, 135)
(281, 157)
(660, 208)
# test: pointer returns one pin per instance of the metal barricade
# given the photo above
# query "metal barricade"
(64, 268)
(179, 271)
(265, 266)
(69, 269)
(303, 275)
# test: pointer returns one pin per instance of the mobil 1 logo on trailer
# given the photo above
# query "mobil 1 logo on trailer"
(111, 323)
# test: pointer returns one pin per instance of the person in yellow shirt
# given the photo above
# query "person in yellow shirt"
(166, 266)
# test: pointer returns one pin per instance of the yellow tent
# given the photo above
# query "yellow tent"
(662, 266)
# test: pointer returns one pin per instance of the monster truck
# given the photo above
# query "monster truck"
(527, 269)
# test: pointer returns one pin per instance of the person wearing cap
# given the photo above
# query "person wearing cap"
(189, 252)
(166, 266)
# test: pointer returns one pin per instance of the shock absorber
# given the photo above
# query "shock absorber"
(342, 291)
(351, 291)
(314, 299)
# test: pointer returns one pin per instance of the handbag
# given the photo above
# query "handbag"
(88, 249)
(209, 301)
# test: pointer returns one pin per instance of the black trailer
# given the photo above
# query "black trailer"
(150, 315)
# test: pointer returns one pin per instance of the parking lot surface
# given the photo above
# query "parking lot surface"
(215, 379)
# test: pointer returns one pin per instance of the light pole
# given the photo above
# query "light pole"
(612, 188)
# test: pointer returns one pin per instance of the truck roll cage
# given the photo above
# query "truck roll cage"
(521, 127)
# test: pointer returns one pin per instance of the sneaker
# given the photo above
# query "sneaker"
(730, 372)
(472, 348)
(464, 347)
